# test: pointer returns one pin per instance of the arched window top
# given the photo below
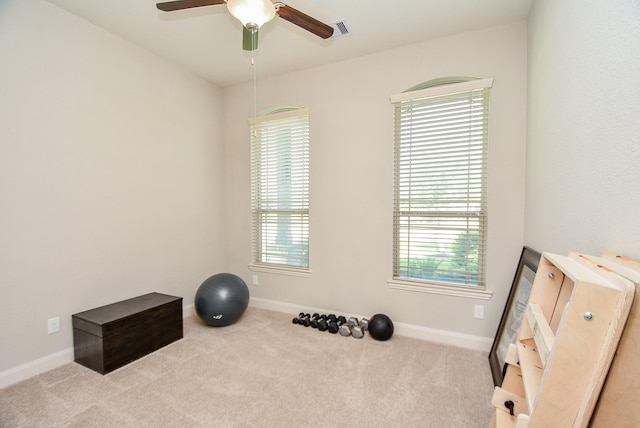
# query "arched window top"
(278, 109)
(441, 81)
(279, 112)
(442, 86)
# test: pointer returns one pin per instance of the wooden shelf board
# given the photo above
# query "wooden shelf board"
(531, 368)
(542, 333)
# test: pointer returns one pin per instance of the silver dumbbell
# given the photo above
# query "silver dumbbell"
(353, 321)
(364, 324)
(357, 332)
(345, 330)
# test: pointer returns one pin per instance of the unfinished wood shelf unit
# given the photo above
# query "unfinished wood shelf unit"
(568, 338)
(619, 403)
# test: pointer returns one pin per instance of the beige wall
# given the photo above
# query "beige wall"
(584, 132)
(351, 176)
(110, 176)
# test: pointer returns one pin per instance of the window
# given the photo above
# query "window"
(440, 183)
(280, 189)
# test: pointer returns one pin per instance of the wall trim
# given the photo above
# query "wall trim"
(446, 337)
(35, 367)
(52, 361)
(57, 359)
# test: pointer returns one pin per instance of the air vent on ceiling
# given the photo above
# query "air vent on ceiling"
(340, 29)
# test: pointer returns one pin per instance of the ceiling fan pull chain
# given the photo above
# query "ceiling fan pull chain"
(255, 87)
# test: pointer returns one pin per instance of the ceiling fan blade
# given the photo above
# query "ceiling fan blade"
(249, 39)
(170, 6)
(303, 20)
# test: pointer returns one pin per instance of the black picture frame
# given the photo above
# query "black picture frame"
(513, 311)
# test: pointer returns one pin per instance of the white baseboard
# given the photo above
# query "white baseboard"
(446, 337)
(452, 338)
(35, 367)
(188, 311)
(51, 361)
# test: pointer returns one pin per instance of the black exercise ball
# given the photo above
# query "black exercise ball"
(380, 327)
(221, 299)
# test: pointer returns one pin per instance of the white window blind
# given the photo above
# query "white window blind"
(440, 184)
(280, 188)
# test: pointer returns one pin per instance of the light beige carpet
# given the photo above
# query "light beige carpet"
(265, 371)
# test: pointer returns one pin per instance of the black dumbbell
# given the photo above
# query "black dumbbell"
(314, 319)
(342, 320)
(303, 319)
(323, 325)
(333, 327)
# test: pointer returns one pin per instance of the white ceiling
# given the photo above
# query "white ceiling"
(208, 40)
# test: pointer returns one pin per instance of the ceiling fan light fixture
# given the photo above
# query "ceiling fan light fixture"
(252, 13)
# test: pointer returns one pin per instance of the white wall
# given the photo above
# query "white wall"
(351, 176)
(583, 151)
(110, 176)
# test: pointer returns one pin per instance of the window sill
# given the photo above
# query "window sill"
(280, 269)
(447, 290)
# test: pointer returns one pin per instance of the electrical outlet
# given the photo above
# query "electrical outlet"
(478, 312)
(53, 325)
(254, 280)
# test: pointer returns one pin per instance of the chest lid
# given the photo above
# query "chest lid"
(100, 321)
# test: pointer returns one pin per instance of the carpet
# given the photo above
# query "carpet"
(264, 371)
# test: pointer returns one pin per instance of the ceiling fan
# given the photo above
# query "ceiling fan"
(253, 14)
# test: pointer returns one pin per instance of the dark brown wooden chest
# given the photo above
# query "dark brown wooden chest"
(111, 336)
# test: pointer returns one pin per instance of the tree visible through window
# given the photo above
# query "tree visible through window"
(440, 182)
(280, 188)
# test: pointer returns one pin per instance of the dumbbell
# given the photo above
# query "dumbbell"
(313, 320)
(341, 321)
(356, 328)
(318, 318)
(345, 329)
(306, 319)
(328, 323)
(353, 328)
(303, 319)
(297, 319)
(357, 332)
(333, 327)
(364, 324)
(322, 324)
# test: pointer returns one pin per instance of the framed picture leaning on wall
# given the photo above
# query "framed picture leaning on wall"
(513, 312)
